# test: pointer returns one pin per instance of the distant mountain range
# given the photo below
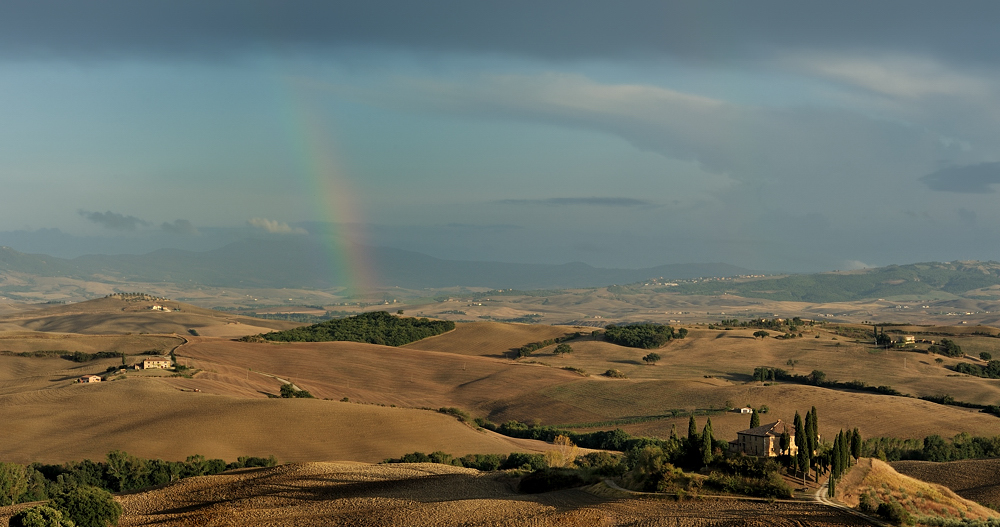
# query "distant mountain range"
(303, 263)
(926, 281)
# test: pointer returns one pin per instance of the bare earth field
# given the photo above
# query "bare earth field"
(231, 382)
(974, 479)
(357, 494)
(150, 418)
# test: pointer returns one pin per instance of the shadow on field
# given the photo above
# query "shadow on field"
(432, 488)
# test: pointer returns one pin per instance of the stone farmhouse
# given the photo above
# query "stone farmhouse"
(86, 379)
(764, 440)
(160, 362)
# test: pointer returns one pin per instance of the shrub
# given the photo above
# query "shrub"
(894, 512)
(615, 374)
(40, 516)
(288, 391)
(602, 463)
(88, 506)
(462, 415)
(534, 462)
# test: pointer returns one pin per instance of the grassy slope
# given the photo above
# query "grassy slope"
(918, 497)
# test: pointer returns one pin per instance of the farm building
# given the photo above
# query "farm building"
(86, 379)
(746, 410)
(764, 440)
(161, 363)
(906, 340)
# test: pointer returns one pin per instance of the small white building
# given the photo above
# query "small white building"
(87, 379)
(746, 410)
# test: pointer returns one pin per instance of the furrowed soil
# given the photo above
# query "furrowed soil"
(974, 479)
(429, 495)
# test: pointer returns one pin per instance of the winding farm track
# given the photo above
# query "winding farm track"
(821, 497)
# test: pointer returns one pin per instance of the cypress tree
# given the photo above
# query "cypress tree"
(693, 438)
(801, 443)
(845, 451)
(707, 443)
(754, 419)
(856, 444)
(814, 433)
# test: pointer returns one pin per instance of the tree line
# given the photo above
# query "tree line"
(529, 348)
(376, 327)
(76, 487)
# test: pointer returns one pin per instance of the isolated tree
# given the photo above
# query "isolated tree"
(88, 506)
(754, 419)
(563, 349)
(651, 358)
(986, 355)
(762, 334)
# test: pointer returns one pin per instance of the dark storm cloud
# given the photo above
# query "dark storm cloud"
(599, 201)
(184, 227)
(115, 221)
(971, 179)
(548, 30)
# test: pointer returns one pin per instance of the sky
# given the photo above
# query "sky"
(777, 136)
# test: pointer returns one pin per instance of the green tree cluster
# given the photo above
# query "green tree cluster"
(377, 327)
(288, 391)
(645, 336)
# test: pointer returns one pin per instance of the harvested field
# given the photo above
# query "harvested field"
(107, 316)
(491, 339)
(150, 418)
(18, 342)
(429, 495)
(974, 479)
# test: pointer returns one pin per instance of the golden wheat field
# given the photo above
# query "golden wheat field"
(357, 494)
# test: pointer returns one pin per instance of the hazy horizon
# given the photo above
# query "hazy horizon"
(775, 136)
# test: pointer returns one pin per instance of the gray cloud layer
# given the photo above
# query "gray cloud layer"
(973, 179)
(114, 220)
(184, 227)
(599, 201)
(568, 29)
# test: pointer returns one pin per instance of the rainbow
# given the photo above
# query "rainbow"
(333, 198)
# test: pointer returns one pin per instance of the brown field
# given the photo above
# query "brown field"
(149, 417)
(114, 316)
(974, 479)
(703, 372)
(19, 342)
(492, 339)
(428, 495)
(918, 497)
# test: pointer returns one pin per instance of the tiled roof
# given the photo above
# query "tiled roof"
(774, 429)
